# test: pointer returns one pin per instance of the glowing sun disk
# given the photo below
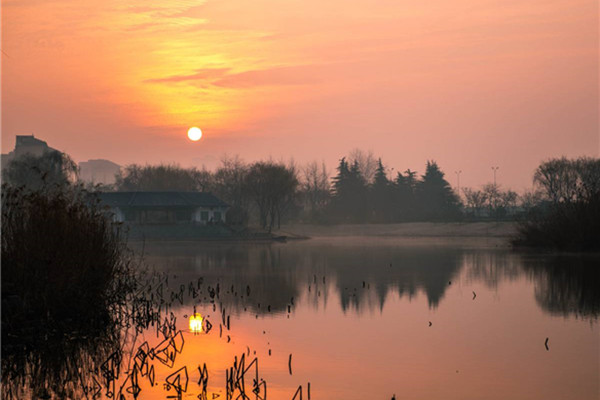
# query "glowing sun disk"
(194, 133)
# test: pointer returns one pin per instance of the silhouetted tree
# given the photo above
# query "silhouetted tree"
(160, 178)
(570, 217)
(411, 179)
(498, 202)
(530, 199)
(340, 180)
(492, 198)
(229, 183)
(508, 201)
(381, 196)
(564, 180)
(365, 162)
(52, 170)
(315, 190)
(558, 179)
(405, 196)
(349, 193)
(436, 198)
(475, 201)
(271, 186)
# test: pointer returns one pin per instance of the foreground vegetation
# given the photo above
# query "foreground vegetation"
(66, 274)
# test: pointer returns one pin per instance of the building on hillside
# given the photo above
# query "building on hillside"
(98, 171)
(26, 144)
(166, 208)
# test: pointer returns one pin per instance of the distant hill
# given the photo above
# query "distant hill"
(98, 171)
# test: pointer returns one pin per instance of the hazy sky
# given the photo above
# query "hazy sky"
(469, 83)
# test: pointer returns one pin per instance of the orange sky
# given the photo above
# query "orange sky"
(469, 83)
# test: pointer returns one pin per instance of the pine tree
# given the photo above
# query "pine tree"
(404, 196)
(435, 196)
(349, 193)
(340, 180)
(381, 199)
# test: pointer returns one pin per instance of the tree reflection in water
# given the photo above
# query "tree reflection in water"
(278, 273)
(57, 359)
(566, 285)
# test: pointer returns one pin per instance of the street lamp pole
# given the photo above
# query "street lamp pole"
(458, 181)
(495, 169)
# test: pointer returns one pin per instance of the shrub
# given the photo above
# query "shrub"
(570, 227)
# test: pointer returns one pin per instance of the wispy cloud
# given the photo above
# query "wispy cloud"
(204, 74)
(224, 77)
(278, 76)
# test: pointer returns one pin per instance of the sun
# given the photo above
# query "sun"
(194, 134)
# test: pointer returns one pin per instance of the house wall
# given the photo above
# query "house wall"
(205, 215)
(117, 214)
(200, 215)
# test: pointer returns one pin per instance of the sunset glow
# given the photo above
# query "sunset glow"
(468, 83)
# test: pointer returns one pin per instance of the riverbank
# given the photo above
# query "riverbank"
(408, 229)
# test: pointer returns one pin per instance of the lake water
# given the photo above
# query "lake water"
(370, 318)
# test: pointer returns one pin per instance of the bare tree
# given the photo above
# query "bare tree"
(530, 199)
(476, 200)
(164, 177)
(315, 187)
(492, 196)
(558, 179)
(367, 163)
(570, 219)
(290, 198)
(229, 183)
(588, 171)
(499, 201)
(508, 199)
(203, 179)
(271, 186)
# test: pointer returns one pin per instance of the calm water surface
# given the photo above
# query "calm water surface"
(367, 318)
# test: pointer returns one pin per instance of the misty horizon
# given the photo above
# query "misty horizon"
(214, 162)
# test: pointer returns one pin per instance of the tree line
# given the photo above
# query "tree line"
(362, 189)
(271, 192)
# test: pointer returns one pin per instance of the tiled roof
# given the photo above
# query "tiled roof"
(161, 199)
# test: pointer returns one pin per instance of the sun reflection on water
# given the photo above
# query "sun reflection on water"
(196, 323)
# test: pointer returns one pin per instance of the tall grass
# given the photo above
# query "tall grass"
(66, 271)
